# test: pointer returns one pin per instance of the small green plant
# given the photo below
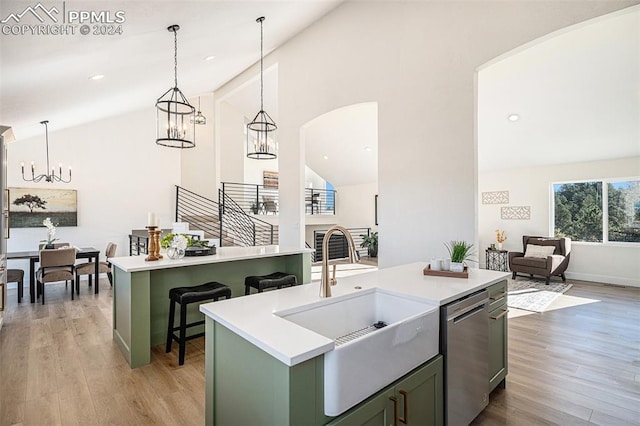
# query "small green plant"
(460, 251)
(370, 242)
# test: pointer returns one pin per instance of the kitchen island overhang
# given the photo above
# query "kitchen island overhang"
(141, 288)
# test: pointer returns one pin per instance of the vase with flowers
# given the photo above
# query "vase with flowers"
(177, 246)
(500, 237)
(51, 233)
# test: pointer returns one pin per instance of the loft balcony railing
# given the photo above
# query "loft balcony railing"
(264, 200)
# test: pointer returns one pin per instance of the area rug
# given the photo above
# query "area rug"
(532, 295)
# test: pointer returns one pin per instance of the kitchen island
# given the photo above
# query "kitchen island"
(277, 366)
(141, 288)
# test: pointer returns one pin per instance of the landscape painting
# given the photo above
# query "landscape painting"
(28, 207)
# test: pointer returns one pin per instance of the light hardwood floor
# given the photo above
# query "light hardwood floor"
(577, 363)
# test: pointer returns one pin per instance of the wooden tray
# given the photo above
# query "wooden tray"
(463, 274)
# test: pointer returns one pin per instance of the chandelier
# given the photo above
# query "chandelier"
(199, 118)
(261, 143)
(175, 125)
(53, 177)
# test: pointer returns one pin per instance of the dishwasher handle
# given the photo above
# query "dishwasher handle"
(477, 308)
(474, 303)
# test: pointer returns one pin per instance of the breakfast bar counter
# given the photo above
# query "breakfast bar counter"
(141, 288)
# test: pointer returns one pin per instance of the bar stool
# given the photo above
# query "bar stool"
(184, 296)
(261, 282)
(16, 276)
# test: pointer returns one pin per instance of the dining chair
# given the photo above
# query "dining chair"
(57, 265)
(89, 268)
(16, 276)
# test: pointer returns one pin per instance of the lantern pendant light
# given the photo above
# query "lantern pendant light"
(175, 123)
(261, 143)
(199, 118)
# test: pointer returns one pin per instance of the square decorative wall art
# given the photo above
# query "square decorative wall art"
(516, 213)
(495, 197)
(28, 207)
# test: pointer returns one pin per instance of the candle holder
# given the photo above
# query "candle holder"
(153, 245)
(156, 236)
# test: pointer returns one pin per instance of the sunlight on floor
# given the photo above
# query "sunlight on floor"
(563, 301)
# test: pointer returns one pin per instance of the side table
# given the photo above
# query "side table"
(497, 260)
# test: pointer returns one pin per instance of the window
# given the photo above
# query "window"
(597, 211)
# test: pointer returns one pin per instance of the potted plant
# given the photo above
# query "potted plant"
(254, 208)
(51, 232)
(460, 252)
(370, 242)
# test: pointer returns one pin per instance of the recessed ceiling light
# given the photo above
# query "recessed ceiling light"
(209, 58)
(513, 117)
(325, 157)
(367, 148)
(96, 77)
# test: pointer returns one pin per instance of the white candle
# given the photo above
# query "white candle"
(151, 219)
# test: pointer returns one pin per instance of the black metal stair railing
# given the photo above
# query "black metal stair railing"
(229, 224)
(338, 244)
(237, 224)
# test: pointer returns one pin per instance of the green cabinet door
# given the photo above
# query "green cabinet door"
(420, 396)
(415, 399)
(376, 411)
(498, 326)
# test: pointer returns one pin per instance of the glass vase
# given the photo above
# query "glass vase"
(175, 253)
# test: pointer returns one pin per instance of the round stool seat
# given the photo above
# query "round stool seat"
(207, 291)
(276, 279)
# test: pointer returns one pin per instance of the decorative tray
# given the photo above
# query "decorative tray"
(464, 274)
(200, 251)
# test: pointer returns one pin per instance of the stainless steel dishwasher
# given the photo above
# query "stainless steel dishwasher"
(465, 346)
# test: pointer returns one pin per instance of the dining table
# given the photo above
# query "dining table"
(90, 253)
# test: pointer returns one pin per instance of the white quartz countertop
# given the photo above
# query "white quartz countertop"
(223, 254)
(252, 317)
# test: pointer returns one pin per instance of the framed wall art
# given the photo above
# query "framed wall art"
(28, 207)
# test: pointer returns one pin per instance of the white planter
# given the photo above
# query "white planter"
(456, 267)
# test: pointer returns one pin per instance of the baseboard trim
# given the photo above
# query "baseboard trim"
(606, 279)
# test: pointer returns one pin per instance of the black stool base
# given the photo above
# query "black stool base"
(184, 296)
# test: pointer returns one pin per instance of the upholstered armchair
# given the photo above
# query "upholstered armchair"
(541, 256)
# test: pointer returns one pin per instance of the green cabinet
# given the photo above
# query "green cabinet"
(415, 399)
(247, 386)
(498, 362)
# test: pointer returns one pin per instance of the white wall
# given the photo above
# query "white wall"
(198, 164)
(610, 263)
(120, 175)
(355, 205)
(417, 60)
(231, 141)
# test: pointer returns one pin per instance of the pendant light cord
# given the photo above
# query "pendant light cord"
(261, 67)
(46, 138)
(175, 58)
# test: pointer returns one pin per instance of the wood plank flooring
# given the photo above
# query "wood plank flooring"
(577, 363)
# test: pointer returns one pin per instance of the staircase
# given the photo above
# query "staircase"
(224, 221)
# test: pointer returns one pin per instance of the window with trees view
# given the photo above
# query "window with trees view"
(598, 211)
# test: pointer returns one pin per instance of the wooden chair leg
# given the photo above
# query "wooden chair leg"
(110, 277)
